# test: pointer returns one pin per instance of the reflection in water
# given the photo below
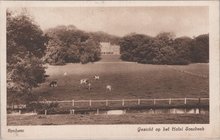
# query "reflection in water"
(127, 111)
(159, 111)
(116, 112)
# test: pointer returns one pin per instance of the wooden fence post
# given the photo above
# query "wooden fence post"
(97, 111)
(199, 101)
(169, 101)
(123, 102)
(139, 101)
(106, 103)
(72, 102)
(185, 101)
(154, 102)
(199, 105)
(45, 112)
(90, 102)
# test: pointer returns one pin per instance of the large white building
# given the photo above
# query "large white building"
(107, 48)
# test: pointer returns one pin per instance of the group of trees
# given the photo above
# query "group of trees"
(67, 44)
(164, 49)
(70, 45)
(26, 45)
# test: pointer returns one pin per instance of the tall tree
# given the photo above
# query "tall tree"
(25, 48)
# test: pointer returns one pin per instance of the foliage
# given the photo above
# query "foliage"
(41, 107)
(104, 37)
(183, 46)
(131, 47)
(164, 49)
(70, 45)
(200, 49)
(25, 48)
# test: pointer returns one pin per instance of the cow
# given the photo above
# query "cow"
(109, 88)
(53, 84)
(96, 77)
(84, 81)
(65, 73)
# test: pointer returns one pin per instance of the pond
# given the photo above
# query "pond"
(127, 111)
(153, 111)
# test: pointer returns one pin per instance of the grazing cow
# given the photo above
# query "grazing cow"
(109, 88)
(84, 81)
(65, 73)
(53, 84)
(96, 77)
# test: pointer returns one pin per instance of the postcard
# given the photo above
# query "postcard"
(110, 69)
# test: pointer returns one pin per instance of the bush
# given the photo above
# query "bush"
(41, 107)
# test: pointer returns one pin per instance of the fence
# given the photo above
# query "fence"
(73, 105)
(130, 102)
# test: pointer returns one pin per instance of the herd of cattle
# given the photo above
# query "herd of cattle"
(84, 82)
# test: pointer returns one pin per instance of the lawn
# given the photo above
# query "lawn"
(128, 81)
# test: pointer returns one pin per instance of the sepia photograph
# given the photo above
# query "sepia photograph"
(108, 65)
(112, 65)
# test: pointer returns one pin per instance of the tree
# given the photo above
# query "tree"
(182, 46)
(132, 45)
(70, 45)
(25, 48)
(200, 49)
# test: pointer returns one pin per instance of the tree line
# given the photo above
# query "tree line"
(165, 49)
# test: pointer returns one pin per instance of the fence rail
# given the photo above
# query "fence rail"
(120, 102)
(123, 102)
(72, 104)
(164, 99)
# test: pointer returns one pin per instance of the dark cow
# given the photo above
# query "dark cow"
(53, 84)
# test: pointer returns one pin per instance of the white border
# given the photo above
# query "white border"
(117, 131)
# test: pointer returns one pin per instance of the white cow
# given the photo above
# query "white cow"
(84, 81)
(96, 77)
(65, 73)
(109, 88)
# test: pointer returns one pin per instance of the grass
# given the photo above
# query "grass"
(201, 68)
(109, 119)
(128, 80)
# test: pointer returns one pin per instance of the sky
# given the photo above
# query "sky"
(182, 21)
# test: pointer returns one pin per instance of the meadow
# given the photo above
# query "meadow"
(128, 80)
